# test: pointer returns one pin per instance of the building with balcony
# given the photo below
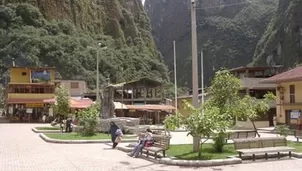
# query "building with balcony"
(76, 88)
(289, 101)
(143, 98)
(26, 92)
(251, 78)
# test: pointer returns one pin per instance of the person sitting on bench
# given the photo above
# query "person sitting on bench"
(147, 140)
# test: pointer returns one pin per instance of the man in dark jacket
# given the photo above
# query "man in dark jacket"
(112, 132)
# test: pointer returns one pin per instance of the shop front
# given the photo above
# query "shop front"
(28, 110)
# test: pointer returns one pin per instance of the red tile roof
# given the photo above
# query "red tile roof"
(74, 103)
(291, 75)
(150, 107)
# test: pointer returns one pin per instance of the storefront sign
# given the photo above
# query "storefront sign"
(33, 105)
(295, 114)
(10, 110)
(131, 110)
(50, 112)
(29, 110)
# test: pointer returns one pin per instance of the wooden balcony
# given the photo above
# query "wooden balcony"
(254, 83)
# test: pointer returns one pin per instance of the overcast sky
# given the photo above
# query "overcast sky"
(143, 1)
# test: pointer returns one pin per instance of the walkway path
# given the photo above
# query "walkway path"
(23, 150)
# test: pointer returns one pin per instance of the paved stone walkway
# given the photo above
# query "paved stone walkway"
(23, 150)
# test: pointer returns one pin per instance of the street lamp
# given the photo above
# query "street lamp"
(99, 47)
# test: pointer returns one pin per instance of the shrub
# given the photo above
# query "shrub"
(219, 142)
(88, 118)
(282, 130)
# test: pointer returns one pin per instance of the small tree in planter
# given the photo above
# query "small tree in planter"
(199, 124)
(282, 130)
(88, 118)
(62, 105)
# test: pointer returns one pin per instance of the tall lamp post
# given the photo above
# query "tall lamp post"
(98, 48)
(194, 55)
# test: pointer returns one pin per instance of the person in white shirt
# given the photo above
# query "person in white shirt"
(146, 139)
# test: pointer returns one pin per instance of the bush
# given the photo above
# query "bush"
(88, 118)
(219, 142)
(282, 130)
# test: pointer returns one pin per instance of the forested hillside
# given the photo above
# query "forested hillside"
(57, 33)
(228, 32)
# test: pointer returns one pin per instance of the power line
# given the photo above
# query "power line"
(229, 5)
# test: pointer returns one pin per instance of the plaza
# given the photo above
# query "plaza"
(23, 150)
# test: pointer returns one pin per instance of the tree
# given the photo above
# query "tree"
(219, 112)
(62, 105)
(88, 118)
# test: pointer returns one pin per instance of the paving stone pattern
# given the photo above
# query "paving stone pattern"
(23, 150)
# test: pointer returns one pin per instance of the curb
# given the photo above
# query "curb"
(50, 140)
(200, 163)
(45, 131)
(190, 163)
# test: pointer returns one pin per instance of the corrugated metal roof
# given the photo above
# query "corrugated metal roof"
(291, 75)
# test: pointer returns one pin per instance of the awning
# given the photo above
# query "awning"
(80, 103)
(150, 107)
(24, 101)
(119, 105)
(75, 103)
(53, 100)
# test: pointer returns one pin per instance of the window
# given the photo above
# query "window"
(74, 85)
(23, 73)
(292, 94)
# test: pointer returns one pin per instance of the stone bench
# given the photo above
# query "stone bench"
(262, 146)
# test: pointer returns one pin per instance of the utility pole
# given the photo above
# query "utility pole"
(175, 75)
(202, 77)
(194, 55)
(97, 76)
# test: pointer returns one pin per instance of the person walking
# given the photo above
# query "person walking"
(113, 132)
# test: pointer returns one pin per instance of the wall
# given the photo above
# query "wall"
(281, 115)
(17, 77)
(82, 88)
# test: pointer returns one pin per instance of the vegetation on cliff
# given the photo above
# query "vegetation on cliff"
(228, 35)
(43, 37)
(281, 44)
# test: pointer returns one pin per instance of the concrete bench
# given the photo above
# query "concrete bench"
(241, 134)
(262, 146)
(161, 144)
(298, 134)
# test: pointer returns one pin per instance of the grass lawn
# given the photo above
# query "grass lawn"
(47, 128)
(185, 152)
(296, 145)
(75, 136)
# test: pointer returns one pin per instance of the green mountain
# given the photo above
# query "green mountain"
(282, 42)
(228, 32)
(58, 32)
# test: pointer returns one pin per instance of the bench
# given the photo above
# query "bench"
(298, 134)
(241, 135)
(161, 144)
(237, 135)
(262, 146)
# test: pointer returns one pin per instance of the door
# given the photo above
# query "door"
(287, 117)
(271, 114)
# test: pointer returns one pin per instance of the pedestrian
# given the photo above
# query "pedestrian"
(114, 129)
(146, 140)
(44, 118)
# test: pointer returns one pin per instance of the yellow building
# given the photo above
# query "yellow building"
(26, 92)
(288, 93)
(181, 103)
